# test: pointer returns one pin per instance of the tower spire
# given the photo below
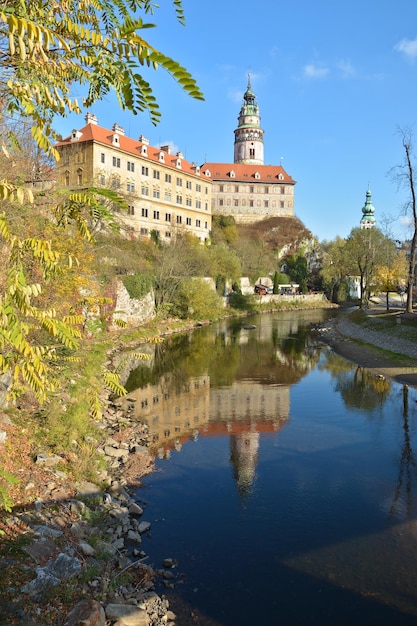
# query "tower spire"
(249, 142)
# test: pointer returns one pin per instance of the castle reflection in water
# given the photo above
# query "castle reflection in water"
(177, 412)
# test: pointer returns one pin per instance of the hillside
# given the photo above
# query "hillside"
(276, 233)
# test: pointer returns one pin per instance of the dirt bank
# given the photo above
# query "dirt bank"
(379, 352)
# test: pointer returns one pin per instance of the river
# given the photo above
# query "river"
(285, 484)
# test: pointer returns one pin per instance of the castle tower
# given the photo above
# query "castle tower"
(249, 136)
(368, 218)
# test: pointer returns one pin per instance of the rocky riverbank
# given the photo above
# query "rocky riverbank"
(76, 557)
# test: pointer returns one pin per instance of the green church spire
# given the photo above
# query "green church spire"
(368, 218)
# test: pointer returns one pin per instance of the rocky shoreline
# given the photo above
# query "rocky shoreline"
(86, 541)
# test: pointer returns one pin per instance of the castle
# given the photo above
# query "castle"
(165, 193)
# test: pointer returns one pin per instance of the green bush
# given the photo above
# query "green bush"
(241, 303)
(195, 299)
(137, 285)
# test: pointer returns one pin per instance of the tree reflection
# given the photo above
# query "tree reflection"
(406, 467)
(358, 387)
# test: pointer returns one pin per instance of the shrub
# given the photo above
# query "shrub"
(138, 285)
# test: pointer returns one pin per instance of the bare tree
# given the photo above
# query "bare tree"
(403, 175)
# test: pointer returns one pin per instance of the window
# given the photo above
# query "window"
(179, 182)
(179, 199)
(266, 204)
(206, 190)
(236, 202)
(205, 224)
(116, 162)
(168, 196)
(130, 166)
(251, 203)
(188, 221)
(156, 193)
(130, 187)
(102, 179)
(115, 182)
(236, 188)
(143, 231)
(206, 206)
(198, 187)
(198, 223)
(145, 170)
(266, 190)
(156, 215)
(251, 189)
(282, 190)
(144, 191)
(221, 202)
(252, 153)
(198, 204)
(102, 157)
(188, 184)
(179, 219)
(282, 204)
(130, 209)
(221, 188)
(168, 234)
(167, 217)
(167, 178)
(156, 174)
(144, 212)
(188, 202)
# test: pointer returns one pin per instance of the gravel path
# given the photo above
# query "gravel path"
(379, 339)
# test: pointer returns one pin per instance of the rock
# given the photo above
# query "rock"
(48, 460)
(127, 614)
(116, 452)
(44, 580)
(86, 613)
(87, 490)
(63, 566)
(135, 509)
(86, 549)
(143, 527)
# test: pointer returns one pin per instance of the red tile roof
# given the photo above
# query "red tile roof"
(247, 173)
(104, 136)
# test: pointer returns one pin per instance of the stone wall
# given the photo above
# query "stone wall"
(131, 310)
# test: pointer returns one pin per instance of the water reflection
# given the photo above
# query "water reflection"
(297, 491)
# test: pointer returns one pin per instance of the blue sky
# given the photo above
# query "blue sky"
(334, 82)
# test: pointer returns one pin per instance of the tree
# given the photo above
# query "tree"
(392, 272)
(48, 50)
(403, 174)
(365, 250)
(296, 265)
(335, 266)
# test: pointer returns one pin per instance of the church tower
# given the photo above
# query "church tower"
(368, 218)
(249, 136)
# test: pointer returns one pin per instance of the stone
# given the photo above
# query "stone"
(127, 614)
(86, 549)
(48, 460)
(44, 580)
(144, 527)
(40, 549)
(63, 566)
(135, 509)
(86, 613)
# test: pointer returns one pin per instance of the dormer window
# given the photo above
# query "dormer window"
(178, 163)
(115, 140)
(144, 150)
(161, 157)
(257, 175)
(281, 177)
(207, 173)
(76, 135)
(232, 174)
